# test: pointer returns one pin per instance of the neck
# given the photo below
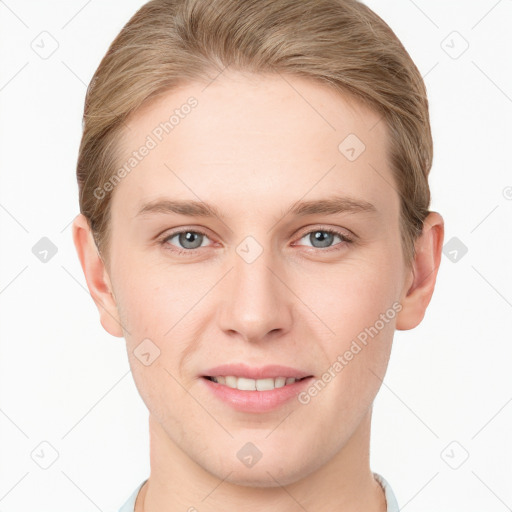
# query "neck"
(345, 482)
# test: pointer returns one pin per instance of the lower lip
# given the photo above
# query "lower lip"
(256, 401)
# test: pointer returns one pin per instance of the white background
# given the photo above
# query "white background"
(65, 381)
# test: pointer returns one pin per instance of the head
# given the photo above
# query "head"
(264, 114)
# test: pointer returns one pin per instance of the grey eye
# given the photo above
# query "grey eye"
(321, 238)
(188, 239)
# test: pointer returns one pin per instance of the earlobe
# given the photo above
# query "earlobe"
(421, 280)
(96, 276)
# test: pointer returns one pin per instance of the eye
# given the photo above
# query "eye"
(324, 238)
(186, 240)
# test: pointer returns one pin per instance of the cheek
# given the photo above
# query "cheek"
(358, 302)
(152, 300)
(361, 310)
(351, 297)
(155, 312)
(162, 312)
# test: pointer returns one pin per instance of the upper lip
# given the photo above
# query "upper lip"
(252, 372)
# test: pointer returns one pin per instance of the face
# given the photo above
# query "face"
(261, 228)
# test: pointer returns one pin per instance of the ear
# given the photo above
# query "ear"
(421, 279)
(98, 280)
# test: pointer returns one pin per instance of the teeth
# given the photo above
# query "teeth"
(244, 384)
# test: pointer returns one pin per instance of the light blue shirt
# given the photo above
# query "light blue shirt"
(392, 504)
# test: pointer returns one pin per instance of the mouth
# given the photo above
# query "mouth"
(252, 389)
(246, 384)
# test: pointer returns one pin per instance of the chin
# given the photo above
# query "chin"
(262, 479)
(264, 474)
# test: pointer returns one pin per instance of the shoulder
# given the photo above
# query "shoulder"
(392, 504)
(129, 505)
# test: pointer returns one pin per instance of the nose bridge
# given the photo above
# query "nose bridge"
(255, 302)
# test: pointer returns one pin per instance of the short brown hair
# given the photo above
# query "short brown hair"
(340, 43)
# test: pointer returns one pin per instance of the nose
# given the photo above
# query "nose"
(256, 303)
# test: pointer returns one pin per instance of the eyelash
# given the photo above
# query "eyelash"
(190, 252)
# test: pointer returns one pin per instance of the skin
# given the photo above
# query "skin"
(253, 147)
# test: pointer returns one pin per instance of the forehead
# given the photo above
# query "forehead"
(267, 139)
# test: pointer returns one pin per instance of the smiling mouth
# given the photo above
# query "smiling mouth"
(245, 384)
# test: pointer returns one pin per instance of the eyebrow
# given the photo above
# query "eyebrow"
(327, 206)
